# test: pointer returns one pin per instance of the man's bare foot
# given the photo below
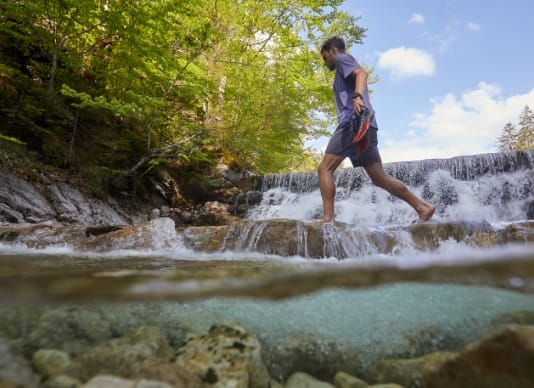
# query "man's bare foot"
(426, 212)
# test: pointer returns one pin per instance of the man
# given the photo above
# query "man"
(351, 98)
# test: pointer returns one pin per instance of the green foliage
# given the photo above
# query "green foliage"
(513, 139)
(111, 82)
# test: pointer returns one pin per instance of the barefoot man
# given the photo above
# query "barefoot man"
(352, 97)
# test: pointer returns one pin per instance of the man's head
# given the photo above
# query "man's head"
(330, 51)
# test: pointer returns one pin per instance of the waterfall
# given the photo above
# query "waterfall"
(489, 187)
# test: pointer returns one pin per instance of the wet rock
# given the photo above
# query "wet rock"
(521, 232)
(303, 380)
(313, 354)
(408, 372)
(153, 235)
(51, 362)
(62, 381)
(108, 381)
(23, 198)
(500, 359)
(429, 339)
(99, 230)
(42, 235)
(206, 238)
(120, 356)
(344, 380)
(228, 355)
(14, 370)
(282, 237)
(72, 330)
(524, 317)
(431, 235)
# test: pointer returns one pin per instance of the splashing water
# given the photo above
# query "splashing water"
(463, 189)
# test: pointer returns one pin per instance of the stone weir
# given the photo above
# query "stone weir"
(278, 237)
(413, 173)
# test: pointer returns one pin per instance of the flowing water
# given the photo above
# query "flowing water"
(406, 302)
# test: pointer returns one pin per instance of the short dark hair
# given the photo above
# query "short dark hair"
(334, 42)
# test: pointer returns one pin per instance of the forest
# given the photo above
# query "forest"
(117, 87)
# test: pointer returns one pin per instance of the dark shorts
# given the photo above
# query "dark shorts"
(341, 144)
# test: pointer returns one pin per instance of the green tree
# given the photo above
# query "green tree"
(525, 137)
(128, 84)
(507, 141)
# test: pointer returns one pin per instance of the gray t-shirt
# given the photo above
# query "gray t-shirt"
(344, 83)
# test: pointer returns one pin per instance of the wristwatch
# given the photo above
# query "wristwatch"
(356, 94)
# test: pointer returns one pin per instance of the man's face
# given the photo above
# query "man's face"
(329, 58)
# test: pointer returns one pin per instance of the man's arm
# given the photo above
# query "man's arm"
(360, 75)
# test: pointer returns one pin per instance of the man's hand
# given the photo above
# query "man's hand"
(357, 105)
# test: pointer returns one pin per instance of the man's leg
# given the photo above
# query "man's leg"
(397, 188)
(327, 184)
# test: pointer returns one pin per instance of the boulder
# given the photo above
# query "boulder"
(501, 359)
(228, 355)
(51, 362)
(344, 380)
(313, 354)
(15, 370)
(120, 355)
(303, 380)
(407, 372)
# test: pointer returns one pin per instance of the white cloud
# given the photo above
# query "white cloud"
(467, 125)
(473, 27)
(404, 62)
(417, 18)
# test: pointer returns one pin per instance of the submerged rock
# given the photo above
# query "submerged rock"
(500, 359)
(15, 371)
(227, 356)
(408, 372)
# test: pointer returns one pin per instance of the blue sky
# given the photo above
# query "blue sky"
(451, 73)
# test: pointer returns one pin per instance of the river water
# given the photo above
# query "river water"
(405, 303)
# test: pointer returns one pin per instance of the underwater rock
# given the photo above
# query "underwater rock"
(313, 354)
(72, 330)
(407, 372)
(344, 380)
(228, 355)
(61, 381)
(501, 359)
(303, 380)
(51, 362)
(120, 355)
(15, 371)
(108, 381)
(523, 317)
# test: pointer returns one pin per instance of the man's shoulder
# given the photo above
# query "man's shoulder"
(345, 59)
